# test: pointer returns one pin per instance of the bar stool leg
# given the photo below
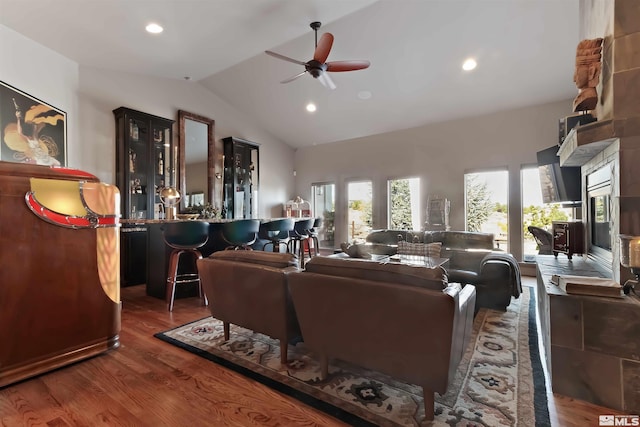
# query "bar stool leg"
(172, 277)
(309, 241)
(201, 294)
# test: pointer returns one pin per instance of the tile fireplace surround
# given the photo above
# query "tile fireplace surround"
(613, 142)
(594, 345)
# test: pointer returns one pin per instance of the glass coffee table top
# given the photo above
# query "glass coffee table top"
(420, 260)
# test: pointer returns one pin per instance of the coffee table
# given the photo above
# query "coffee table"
(403, 259)
(420, 260)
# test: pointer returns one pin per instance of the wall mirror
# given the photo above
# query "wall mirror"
(196, 169)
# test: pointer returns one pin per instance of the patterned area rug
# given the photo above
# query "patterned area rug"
(500, 381)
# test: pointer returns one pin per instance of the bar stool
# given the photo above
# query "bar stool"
(313, 235)
(298, 236)
(185, 237)
(276, 232)
(240, 233)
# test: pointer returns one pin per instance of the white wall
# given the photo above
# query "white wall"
(89, 95)
(43, 74)
(439, 154)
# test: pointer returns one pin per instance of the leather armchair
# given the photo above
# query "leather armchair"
(402, 320)
(249, 289)
(543, 238)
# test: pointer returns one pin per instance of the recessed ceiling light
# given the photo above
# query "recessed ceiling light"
(311, 107)
(154, 28)
(364, 94)
(469, 64)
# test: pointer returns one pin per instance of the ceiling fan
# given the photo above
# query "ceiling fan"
(317, 67)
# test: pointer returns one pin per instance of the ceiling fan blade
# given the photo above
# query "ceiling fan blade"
(290, 79)
(326, 81)
(337, 66)
(285, 58)
(324, 47)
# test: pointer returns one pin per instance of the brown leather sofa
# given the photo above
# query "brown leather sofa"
(402, 320)
(249, 289)
(472, 260)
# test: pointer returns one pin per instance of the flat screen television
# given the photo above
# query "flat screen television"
(558, 184)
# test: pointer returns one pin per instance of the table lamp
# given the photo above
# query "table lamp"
(170, 198)
(630, 258)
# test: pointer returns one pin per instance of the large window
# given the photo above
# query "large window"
(486, 196)
(404, 204)
(360, 200)
(324, 206)
(536, 213)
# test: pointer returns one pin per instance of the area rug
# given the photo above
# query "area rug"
(500, 381)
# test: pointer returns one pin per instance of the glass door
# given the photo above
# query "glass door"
(360, 202)
(324, 207)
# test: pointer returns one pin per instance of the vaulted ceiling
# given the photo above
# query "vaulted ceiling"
(525, 50)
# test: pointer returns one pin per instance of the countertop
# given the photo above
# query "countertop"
(549, 265)
(134, 221)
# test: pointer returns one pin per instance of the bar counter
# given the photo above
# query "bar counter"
(158, 252)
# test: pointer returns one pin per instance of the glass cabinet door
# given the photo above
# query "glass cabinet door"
(241, 178)
(144, 164)
(163, 164)
(137, 172)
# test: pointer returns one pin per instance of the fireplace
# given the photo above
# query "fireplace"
(599, 216)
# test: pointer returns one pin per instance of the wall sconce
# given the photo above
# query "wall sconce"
(170, 198)
(630, 258)
(218, 175)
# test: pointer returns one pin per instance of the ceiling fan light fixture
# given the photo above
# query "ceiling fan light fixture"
(318, 67)
(154, 28)
(469, 64)
(311, 107)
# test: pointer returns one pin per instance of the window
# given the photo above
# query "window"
(403, 204)
(535, 212)
(486, 196)
(324, 206)
(360, 202)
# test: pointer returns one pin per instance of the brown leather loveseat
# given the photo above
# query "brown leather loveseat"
(399, 319)
(249, 289)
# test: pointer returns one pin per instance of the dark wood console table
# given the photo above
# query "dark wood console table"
(591, 344)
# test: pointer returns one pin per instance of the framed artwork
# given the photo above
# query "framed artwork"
(31, 130)
(438, 210)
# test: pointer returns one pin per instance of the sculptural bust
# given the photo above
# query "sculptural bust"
(587, 73)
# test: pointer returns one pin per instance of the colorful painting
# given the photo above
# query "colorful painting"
(32, 131)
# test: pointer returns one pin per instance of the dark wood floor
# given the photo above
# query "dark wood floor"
(149, 383)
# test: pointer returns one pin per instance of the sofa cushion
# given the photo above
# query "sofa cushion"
(405, 274)
(420, 249)
(461, 239)
(270, 259)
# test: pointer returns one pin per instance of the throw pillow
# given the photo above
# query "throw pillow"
(420, 249)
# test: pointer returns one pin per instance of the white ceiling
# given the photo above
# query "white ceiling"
(525, 51)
